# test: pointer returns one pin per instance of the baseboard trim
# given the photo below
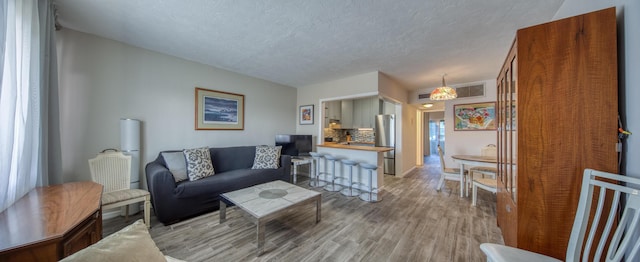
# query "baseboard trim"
(408, 171)
(112, 213)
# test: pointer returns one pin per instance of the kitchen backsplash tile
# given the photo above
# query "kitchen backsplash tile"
(340, 135)
(332, 133)
(364, 135)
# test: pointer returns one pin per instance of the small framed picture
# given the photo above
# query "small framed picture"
(306, 115)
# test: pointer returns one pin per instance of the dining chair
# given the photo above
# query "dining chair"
(624, 197)
(488, 184)
(113, 171)
(487, 151)
(452, 174)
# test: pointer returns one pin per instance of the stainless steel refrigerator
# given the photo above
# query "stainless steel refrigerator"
(386, 137)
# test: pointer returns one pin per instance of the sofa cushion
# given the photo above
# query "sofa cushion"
(177, 164)
(225, 182)
(132, 243)
(231, 158)
(267, 157)
(198, 163)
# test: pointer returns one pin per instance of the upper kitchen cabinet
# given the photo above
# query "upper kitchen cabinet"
(346, 119)
(332, 111)
(352, 113)
(364, 111)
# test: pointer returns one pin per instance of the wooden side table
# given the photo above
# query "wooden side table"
(50, 223)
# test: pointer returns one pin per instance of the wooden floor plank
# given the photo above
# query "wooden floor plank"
(413, 222)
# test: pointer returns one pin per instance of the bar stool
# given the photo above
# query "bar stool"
(372, 194)
(315, 180)
(350, 191)
(332, 187)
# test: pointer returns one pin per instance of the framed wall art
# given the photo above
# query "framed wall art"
(306, 115)
(217, 110)
(477, 116)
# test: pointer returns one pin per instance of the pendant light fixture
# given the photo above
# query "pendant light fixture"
(444, 92)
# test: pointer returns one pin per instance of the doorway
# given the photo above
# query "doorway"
(436, 135)
(434, 132)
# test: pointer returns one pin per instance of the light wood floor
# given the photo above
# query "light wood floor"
(414, 222)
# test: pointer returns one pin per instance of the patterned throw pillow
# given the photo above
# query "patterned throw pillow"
(198, 163)
(267, 157)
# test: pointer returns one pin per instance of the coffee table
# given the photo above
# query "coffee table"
(267, 201)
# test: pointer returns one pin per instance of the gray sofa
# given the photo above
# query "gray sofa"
(173, 201)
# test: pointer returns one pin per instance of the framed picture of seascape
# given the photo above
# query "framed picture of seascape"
(217, 110)
(478, 116)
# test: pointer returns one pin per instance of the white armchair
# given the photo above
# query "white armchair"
(113, 171)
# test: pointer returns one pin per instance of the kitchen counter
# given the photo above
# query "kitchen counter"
(361, 154)
(355, 147)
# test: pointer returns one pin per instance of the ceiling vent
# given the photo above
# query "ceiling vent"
(474, 90)
(463, 91)
(424, 96)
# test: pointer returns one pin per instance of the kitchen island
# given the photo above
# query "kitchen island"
(362, 154)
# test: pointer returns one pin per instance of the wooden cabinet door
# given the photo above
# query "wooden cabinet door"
(506, 206)
(83, 236)
(568, 120)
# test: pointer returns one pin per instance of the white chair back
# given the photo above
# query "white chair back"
(112, 170)
(622, 189)
(441, 154)
(489, 150)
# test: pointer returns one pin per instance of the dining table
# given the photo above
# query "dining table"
(466, 161)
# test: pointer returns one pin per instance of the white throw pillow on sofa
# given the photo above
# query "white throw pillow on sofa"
(198, 163)
(267, 157)
(177, 164)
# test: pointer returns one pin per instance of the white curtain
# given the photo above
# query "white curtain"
(27, 96)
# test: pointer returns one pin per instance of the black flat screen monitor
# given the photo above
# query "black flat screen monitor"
(294, 145)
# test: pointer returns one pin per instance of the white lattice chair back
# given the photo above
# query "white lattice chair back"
(618, 239)
(112, 170)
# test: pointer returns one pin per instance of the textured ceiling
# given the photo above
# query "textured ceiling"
(303, 42)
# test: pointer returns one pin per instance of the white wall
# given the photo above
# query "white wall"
(467, 142)
(407, 154)
(391, 89)
(102, 81)
(628, 12)
(406, 121)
